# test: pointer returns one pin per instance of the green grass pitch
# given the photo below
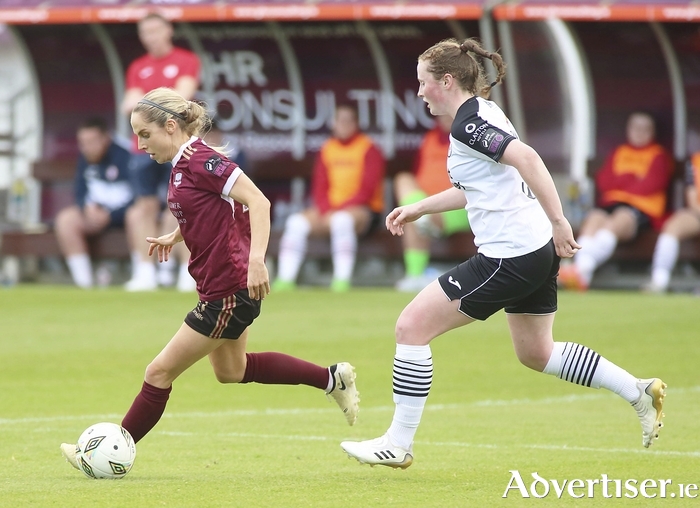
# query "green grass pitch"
(70, 358)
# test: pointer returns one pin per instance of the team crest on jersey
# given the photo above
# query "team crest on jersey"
(112, 173)
(216, 165)
(178, 179)
(170, 71)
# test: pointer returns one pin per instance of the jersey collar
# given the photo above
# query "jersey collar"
(176, 159)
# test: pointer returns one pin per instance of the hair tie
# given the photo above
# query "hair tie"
(494, 84)
(163, 108)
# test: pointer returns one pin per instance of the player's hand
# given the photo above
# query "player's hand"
(163, 244)
(564, 242)
(258, 280)
(400, 216)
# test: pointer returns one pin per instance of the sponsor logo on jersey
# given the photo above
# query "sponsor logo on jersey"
(178, 179)
(454, 282)
(170, 71)
(216, 165)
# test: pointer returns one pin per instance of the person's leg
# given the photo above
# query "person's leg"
(599, 243)
(141, 221)
(72, 226)
(569, 361)
(682, 225)
(429, 315)
(345, 226)
(185, 349)
(416, 244)
(293, 247)
(232, 364)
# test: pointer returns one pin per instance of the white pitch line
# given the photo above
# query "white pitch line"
(459, 444)
(565, 399)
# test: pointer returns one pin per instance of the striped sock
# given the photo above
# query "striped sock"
(581, 365)
(413, 376)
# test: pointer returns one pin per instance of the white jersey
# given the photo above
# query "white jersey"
(505, 217)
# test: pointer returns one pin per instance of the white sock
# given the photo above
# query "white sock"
(293, 247)
(135, 260)
(581, 365)
(168, 266)
(596, 252)
(80, 268)
(413, 376)
(145, 270)
(665, 257)
(584, 241)
(343, 245)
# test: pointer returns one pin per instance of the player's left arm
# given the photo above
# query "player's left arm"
(246, 192)
(531, 167)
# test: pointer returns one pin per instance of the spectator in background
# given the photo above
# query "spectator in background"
(347, 195)
(163, 65)
(102, 194)
(683, 224)
(429, 177)
(632, 188)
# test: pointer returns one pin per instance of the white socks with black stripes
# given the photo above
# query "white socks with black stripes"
(583, 366)
(413, 375)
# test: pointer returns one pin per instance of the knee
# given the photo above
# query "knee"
(145, 208)
(67, 220)
(297, 225)
(407, 331)
(157, 375)
(342, 221)
(535, 358)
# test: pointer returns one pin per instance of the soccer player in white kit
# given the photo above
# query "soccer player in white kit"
(521, 234)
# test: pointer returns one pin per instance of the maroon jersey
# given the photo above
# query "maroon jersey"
(216, 228)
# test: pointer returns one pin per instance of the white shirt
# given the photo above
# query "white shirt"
(505, 217)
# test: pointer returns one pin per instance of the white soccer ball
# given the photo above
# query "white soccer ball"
(105, 450)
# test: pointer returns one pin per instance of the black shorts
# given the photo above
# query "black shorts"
(643, 220)
(224, 319)
(148, 178)
(521, 285)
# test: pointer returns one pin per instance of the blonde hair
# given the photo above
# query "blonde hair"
(163, 104)
(453, 57)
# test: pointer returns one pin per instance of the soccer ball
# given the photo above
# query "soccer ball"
(105, 450)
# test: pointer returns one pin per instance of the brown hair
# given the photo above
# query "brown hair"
(162, 104)
(455, 58)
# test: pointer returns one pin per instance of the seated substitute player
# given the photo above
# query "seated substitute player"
(347, 191)
(682, 225)
(102, 195)
(428, 177)
(632, 187)
(520, 231)
(225, 221)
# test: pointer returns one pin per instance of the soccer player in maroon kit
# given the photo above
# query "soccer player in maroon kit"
(224, 220)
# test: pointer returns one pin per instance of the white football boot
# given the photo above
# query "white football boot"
(68, 451)
(649, 407)
(344, 390)
(379, 452)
